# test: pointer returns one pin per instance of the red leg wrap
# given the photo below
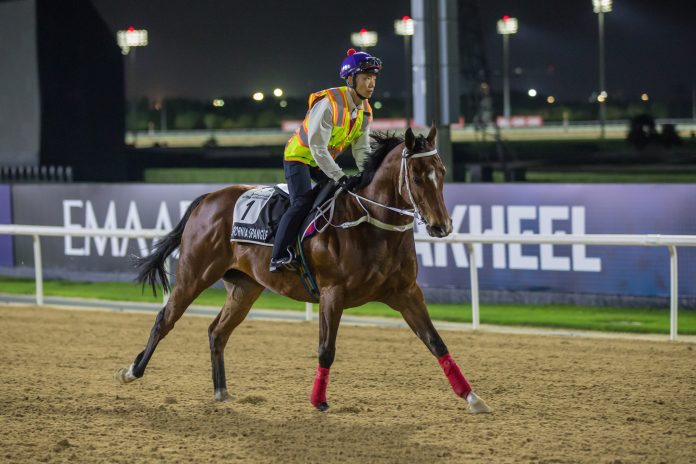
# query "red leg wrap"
(320, 383)
(459, 383)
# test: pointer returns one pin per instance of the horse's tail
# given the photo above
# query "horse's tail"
(151, 268)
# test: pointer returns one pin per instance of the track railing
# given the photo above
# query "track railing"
(671, 242)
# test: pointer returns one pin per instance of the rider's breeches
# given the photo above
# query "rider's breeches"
(300, 188)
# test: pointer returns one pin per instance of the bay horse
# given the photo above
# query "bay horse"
(402, 180)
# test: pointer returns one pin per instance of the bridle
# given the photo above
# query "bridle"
(404, 178)
(328, 206)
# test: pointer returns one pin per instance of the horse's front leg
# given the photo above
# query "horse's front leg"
(411, 304)
(330, 311)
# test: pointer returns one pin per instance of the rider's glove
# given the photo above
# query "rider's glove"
(349, 183)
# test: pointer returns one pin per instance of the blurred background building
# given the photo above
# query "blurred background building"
(215, 88)
(62, 96)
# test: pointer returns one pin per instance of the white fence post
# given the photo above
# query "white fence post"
(473, 271)
(308, 311)
(673, 292)
(38, 271)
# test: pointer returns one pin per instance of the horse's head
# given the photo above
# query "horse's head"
(423, 174)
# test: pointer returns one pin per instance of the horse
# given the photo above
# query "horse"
(402, 180)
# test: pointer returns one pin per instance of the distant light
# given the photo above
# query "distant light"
(404, 26)
(601, 6)
(131, 37)
(532, 93)
(601, 98)
(278, 92)
(377, 105)
(258, 96)
(507, 25)
(550, 99)
(645, 97)
(603, 94)
(283, 103)
(364, 38)
(219, 102)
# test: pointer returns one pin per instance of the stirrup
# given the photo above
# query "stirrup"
(287, 262)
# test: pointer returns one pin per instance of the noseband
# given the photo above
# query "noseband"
(403, 178)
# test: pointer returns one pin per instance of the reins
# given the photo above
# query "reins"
(329, 206)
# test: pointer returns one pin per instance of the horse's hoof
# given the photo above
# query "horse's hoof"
(124, 375)
(221, 394)
(322, 407)
(476, 404)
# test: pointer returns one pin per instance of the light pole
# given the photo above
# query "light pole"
(404, 27)
(363, 39)
(600, 7)
(129, 40)
(506, 27)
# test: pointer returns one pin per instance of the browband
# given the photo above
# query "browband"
(405, 154)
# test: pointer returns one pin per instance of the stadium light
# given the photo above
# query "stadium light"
(600, 7)
(506, 27)
(130, 38)
(364, 38)
(405, 28)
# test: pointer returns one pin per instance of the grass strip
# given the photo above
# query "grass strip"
(608, 319)
(684, 177)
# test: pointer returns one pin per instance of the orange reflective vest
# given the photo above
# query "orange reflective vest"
(343, 133)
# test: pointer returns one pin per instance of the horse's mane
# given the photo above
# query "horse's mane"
(382, 144)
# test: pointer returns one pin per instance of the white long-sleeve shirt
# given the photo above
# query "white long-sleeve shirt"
(319, 129)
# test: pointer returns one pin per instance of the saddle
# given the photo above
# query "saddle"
(258, 211)
(256, 216)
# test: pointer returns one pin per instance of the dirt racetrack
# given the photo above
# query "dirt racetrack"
(555, 399)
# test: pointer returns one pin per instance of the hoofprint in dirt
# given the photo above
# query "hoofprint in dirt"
(554, 398)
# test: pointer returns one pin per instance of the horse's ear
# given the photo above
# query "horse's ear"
(432, 134)
(410, 139)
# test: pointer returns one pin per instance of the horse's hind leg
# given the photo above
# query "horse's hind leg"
(411, 304)
(242, 291)
(184, 293)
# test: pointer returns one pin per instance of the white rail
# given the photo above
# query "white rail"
(671, 242)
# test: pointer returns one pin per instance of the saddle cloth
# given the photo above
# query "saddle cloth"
(258, 211)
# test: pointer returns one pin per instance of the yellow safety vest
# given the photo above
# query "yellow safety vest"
(343, 133)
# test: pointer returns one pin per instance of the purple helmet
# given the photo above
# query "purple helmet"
(357, 62)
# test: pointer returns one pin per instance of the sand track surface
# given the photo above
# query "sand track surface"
(555, 399)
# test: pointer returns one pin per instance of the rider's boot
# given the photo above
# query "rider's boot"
(284, 262)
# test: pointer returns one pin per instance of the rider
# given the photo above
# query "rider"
(337, 117)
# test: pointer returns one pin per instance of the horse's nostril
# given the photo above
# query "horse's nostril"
(438, 231)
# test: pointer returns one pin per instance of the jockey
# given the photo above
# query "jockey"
(337, 117)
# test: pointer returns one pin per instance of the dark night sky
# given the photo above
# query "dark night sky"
(214, 48)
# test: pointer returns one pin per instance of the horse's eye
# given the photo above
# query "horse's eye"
(418, 180)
